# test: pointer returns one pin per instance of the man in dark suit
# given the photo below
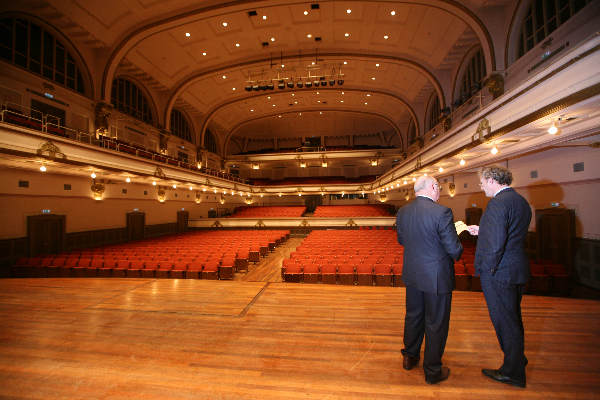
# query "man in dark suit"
(426, 230)
(503, 266)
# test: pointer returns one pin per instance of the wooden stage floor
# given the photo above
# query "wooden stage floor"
(191, 339)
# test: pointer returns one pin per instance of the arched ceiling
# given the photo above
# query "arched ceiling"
(391, 55)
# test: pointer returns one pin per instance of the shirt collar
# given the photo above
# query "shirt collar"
(504, 188)
(422, 195)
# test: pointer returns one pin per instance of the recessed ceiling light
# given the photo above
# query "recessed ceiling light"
(392, 12)
(93, 175)
(320, 112)
(264, 17)
(313, 63)
(441, 169)
(295, 102)
(187, 34)
(366, 103)
(318, 101)
(293, 94)
(373, 78)
(252, 110)
(345, 62)
(386, 37)
(153, 183)
(279, 116)
(272, 39)
(233, 89)
(305, 12)
(273, 105)
(237, 45)
(377, 65)
(203, 53)
(346, 34)
(268, 97)
(494, 150)
(225, 24)
(309, 35)
(368, 94)
(317, 92)
(224, 77)
(282, 65)
(462, 161)
(348, 11)
(341, 101)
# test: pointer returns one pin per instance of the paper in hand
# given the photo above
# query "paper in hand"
(460, 227)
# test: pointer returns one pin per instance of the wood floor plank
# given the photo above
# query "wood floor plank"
(194, 339)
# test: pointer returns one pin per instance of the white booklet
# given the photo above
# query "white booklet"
(460, 227)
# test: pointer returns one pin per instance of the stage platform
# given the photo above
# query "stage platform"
(66, 338)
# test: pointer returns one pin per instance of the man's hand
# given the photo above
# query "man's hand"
(473, 229)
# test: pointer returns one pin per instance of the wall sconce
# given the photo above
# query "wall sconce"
(97, 190)
(255, 166)
(451, 189)
(43, 168)
(323, 162)
(222, 199)
(161, 195)
(249, 200)
(198, 198)
(553, 130)
(494, 150)
(199, 165)
(383, 197)
(302, 164)
(374, 162)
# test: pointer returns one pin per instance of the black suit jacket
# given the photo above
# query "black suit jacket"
(426, 230)
(502, 233)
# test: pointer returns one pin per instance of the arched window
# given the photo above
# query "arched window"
(433, 112)
(210, 143)
(129, 99)
(543, 17)
(412, 132)
(472, 77)
(180, 126)
(29, 45)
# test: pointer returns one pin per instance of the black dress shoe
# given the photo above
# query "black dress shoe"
(497, 376)
(410, 362)
(442, 376)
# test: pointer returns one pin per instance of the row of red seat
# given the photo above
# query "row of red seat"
(268, 212)
(205, 254)
(365, 210)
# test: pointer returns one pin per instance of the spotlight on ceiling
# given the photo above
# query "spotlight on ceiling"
(332, 82)
(316, 83)
(299, 84)
(290, 84)
(308, 84)
(281, 84)
(255, 87)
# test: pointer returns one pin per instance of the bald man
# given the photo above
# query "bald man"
(426, 230)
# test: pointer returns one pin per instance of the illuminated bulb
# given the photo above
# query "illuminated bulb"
(305, 12)
(405, 181)
(261, 195)
(414, 179)
(204, 189)
(300, 194)
(225, 24)
(93, 175)
(441, 169)
(346, 34)
(494, 150)
(462, 161)
(153, 183)
(279, 194)
(553, 130)
(392, 12)
(191, 188)
(348, 11)
(174, 186)
(43, 168)
(215, 190)
(128, 180)
(187, 34)
(264, 17)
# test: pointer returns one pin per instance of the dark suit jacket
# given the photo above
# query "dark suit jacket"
(426, 230)
(502, 233)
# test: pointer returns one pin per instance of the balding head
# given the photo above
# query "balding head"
(427, 186)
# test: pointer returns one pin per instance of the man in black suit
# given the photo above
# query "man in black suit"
(502, 264)
(426, 230)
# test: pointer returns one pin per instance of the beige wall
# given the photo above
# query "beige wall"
(556, 183)
(46, 192)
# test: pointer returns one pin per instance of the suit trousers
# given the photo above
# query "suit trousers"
(504, 305)
(427, 314)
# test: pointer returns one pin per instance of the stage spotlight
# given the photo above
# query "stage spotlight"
(340, 81)
(332, 82)
(323, 83)
(255, 87)
(316, 83)
(308, 84)
(270, 86)
(299, 84)
(262, 87)
(281, 85)
(290, 84)
(248, 88)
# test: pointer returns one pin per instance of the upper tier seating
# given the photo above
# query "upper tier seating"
(367, 210)
(268, 212)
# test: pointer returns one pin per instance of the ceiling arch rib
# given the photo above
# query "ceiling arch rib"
(371, 115)
(392, 106)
